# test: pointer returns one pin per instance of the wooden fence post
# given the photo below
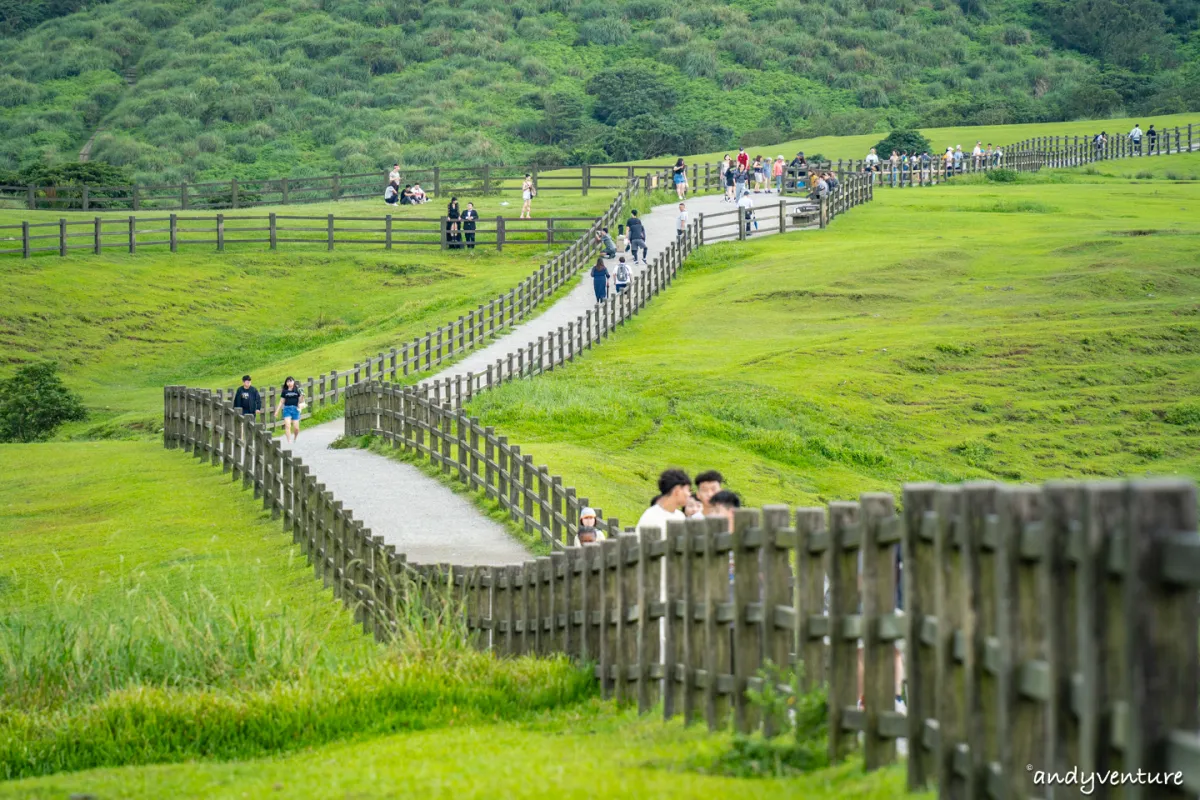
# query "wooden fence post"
(220, 233)
(878, 603)
(919, 596)
(272, 230)
(97, 235)
(132, 235)
(499, 234)
(174, 235)
(329, 234)
(62, 236)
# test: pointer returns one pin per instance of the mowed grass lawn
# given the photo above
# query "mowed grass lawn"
(123, 326)
(1007, 331)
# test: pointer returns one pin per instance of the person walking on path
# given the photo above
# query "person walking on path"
(679, 175)
(587, 532)
(746, 209)
(1135, 138)
(722, 174)
(730, 176)
(674, 490)
(622, 275)
(681, 221)
(600, 280)
(247, 399)
(740, 179)
(637, 237)
(527, 195)
(1152, 140)
(291, 400)
(470, 218)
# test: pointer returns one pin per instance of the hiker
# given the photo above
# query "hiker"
(1152, 140)
(390, 195)
(777, 170)
(730, 175)
(246, 399)
(600, 280)
(1135, 138)
(587, 532)
(291, 401)
(681, 221)
(606, 243)
(746, 207)
(674, 489)
(637, 237)
(470, 217)
(527, 195)
(679, 175)
(622, 275)
(708, 483)
(452, 217)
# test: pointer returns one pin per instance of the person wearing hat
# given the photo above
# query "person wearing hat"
(777, 170)
(587, 532)
(246, 398)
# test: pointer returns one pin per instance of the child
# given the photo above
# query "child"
(622, 275)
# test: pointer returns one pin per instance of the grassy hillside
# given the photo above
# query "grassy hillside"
(195, 89)
(124, 326)
(1018, 331)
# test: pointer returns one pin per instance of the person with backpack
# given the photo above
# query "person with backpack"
(622, 275)
(246, 399)
(470, 217)
(600, 280)
(746, 206)
(637, 237)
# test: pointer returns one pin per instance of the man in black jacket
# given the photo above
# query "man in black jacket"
(246, 399)
(637, 237)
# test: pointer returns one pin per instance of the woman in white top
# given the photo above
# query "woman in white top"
(527, 194)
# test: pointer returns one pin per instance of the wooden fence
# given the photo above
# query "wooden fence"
(132, 234)
(1044, 629)
(232, 194)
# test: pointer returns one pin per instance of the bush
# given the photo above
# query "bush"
(34, 402)
(1002, 175)
(902, 141)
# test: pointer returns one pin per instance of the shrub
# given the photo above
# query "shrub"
(34, 402)
(1183, 414)
(902, 141)
(1002, 175)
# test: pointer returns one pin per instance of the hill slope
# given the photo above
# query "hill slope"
(268, 87)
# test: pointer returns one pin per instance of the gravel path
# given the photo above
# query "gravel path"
(423, 518)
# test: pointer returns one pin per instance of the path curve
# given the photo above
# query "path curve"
(422, 517)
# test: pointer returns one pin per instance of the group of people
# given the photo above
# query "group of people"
(631, 239)
(1135, 138)
(460, 224)
(742, 175)
(955, 160)
(676, 499)
(248, 401)
(411, 195)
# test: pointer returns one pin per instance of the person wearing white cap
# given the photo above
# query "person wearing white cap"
(777, 170)
(587, 531)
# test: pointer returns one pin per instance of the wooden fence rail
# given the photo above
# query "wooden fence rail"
(1044, 629)
(172, 231)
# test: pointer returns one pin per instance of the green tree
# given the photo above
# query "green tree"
(627, 91)
(1129, 33)
(901, 141)
(34, 402)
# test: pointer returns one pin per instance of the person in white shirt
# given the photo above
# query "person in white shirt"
(1135, 136)
(746, 205)
(394, 175)
(872, 159)
(418, 194)
(977, 153)
(674, 491)
(681, 222)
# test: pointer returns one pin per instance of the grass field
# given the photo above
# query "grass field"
(123, 326)
(1017, 331)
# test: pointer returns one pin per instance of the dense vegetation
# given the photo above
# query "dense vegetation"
(267, 87)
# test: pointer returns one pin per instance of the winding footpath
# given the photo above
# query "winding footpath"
(422, 517)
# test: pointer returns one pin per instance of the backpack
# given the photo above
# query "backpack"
(622, 275)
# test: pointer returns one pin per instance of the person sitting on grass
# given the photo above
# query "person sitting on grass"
(390, 195)
(418, 194)
(406, 195)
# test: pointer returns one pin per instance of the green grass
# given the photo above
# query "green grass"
(587, 751)
(124, 326)
(922, 336)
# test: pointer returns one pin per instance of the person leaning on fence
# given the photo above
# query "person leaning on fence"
(637, 237)
(1135, 138)
(246, 399)
(606, 243)
(622, 275)
(674, 489)
(587, 532)
(291, 403)
(600, 280)
(470, 218)
(1152, 140)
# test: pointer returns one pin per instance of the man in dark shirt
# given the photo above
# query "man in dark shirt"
(246, 399)
(470, 217)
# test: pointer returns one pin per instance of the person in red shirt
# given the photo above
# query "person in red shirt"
(743, 158)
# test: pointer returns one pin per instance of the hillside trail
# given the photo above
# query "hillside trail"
(418, 514)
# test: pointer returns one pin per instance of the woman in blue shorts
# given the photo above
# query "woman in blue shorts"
(291, 400)
(679, 175)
